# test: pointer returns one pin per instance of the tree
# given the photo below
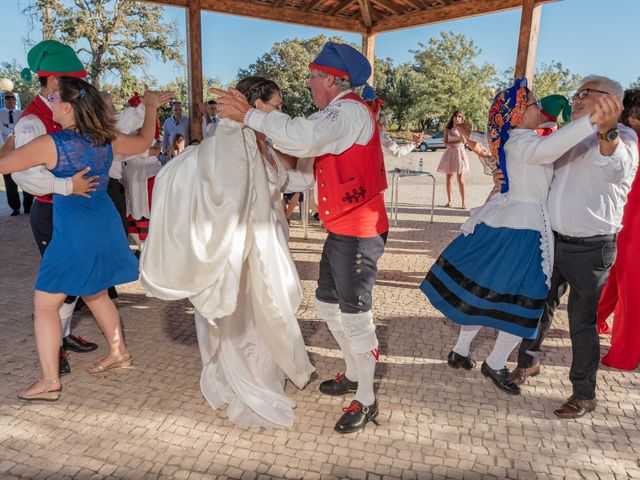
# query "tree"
(549, 79)
(287, 63)
(450, 79)
(26, 90)
(635, 84)
(397, 87)
(114, 37)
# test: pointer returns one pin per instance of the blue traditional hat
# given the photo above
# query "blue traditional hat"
(506, 112)
(343, 61)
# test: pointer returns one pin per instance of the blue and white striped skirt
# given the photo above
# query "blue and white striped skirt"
(492, 277)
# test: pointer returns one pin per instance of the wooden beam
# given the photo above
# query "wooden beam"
(279, 3)
(417, 4)
(285, 14)
(445, 13)
(389, 5)
(341, 6)
(528, 40)
(365, 10)
(170, 3)
(312, 4)
(194, 55)
(369, 51)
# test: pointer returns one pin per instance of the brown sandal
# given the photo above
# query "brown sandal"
(110, 362)
(47, 394)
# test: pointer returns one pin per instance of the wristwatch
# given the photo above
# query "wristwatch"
(610, 136)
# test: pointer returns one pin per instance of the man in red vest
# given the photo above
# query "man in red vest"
(350, 179)
(50, 59)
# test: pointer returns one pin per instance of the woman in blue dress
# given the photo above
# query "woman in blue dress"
(89, 251)
(497, 273)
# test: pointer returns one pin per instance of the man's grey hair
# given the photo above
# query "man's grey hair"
(607, 84)
(343, 84)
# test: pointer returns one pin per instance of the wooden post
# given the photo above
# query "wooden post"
(368, 50)
(194, 55)
(528, 41)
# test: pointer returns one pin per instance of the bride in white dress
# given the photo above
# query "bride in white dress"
(218, 236)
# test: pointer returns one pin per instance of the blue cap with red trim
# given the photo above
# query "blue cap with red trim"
(343, 61)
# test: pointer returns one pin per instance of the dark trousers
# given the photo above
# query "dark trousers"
(585, 268)
(13, 197)
(115, 190)
(348, 270)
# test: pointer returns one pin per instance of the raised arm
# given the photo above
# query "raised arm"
(135, 144)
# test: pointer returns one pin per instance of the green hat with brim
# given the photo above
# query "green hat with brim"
(554, 106)
(50, 58)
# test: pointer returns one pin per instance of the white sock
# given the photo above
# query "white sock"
(467, 334)
(361, 335)
(505, 343)
(366, 363)
(330, 313)
(66, 314)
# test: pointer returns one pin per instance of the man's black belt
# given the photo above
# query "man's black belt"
(586, 240)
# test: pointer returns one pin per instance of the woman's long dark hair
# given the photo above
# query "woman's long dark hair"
(92, 117)
(255, 88)
(450, 123)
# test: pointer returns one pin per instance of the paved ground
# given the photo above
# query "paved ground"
(152, 422)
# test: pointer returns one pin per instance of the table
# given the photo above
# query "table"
(396, 175)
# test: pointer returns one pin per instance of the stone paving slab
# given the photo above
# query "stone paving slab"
(151, 421)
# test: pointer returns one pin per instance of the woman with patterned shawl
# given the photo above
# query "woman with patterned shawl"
(497, 273)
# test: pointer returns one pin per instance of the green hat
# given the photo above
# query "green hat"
(553, 105)
(50, 58)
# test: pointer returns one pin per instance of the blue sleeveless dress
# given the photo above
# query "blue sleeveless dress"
(89, 251)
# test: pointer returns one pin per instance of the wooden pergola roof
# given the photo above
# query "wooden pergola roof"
(365, 17)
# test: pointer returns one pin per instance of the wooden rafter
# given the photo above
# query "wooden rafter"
(288, 15)
(341, 6)
(417, 4)
(445, 13)
(312, 4)
(389, 5)
(365, 11)
(279, 3)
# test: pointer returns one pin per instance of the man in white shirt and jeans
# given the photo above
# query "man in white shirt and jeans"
(9, 116)
(586, 199)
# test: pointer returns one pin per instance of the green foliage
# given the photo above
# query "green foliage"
(26, 90)
(635, 84)
(397, 86)
(287, 64)
(549, 79)
(113, 36)
(448, 79)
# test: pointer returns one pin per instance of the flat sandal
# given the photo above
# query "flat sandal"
(118, 361)
(46, 395)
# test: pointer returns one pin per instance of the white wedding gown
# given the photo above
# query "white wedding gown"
(217, 237)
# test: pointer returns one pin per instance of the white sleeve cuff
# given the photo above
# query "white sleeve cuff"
(63, 186)
(255, 119)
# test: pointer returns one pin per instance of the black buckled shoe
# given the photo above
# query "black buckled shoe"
(63, 363)
(501, 379)
(455, 360)
(78, 344)
(338, 386)
(356, 416)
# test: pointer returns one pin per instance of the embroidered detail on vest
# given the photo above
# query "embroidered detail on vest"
(355, 195)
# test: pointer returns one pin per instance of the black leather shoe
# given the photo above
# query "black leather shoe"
(501, 379)
(15, 213)
(338, 386)
(63, 363)
(78, 344)
(356, 416)
(455, 360)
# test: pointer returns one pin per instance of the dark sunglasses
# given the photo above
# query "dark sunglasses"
(9, 98)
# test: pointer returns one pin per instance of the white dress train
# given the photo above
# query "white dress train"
(215, 238)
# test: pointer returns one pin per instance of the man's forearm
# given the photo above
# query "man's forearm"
(607, 148)
(39, 181)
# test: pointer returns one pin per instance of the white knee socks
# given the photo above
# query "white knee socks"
(361, 335)
(66, 313)
(330, 313)
(467, 334)
(505, 343)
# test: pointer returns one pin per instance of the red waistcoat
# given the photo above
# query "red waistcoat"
(350, 186)
(41, 110)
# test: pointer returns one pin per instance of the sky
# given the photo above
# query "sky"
(586, 36)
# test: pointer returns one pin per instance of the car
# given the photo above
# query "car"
(432, 143)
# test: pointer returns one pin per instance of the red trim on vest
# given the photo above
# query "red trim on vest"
(350, 186)
(38, 108)
(336, 72)
(78, 74)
